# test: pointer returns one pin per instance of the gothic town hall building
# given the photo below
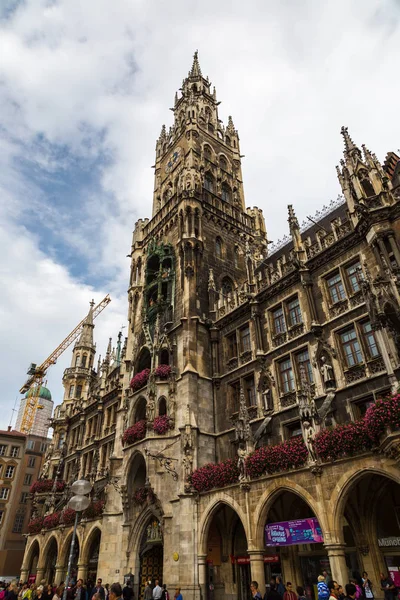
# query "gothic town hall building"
(248, 392)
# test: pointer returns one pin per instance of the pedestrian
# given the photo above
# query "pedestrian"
(289, 593)
(164, 594)
(300, 593)
(323, 590)
(367, 586)
(327, 577)
(178, 595)
(99, 589)
(12, 592)
(388, 587)
(157, 591)
(341, 594)
(58, 593)
(148, 592)
(115, 591)
(333, 587)
(359, 591)
(39, 593)
(127, 592)
(280, 588)
(254, 591)
(351, 591)
(272, 594)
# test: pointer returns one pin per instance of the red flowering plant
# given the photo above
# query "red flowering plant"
(52, 520)
(68, 516)
(163, 371)
(161, 424)
(143, 494)
(35, 525)
(135, 432)
(95, 509)
(384, 413)
(140, 379)
(288, 455)
(214, 475)
(46, 485)
(342, 440)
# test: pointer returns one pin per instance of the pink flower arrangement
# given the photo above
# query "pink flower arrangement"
(285, 456)
(163, 371)
(140, 379)
(135, 433)
(35, 525)
(162, 424)
(46, 485)
(68, 516)
(214, 475)
(143, 494)
(342, 440)
(52, 520)
(95, 509)
(384, 413)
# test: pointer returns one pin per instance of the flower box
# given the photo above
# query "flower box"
(342, 440)
(135, 433)
(384, 413)
(214, 475)
(163, 371)
(162, 424)
(143, 494)
(46, 485)
(35, 525)
(140, 379)
(52, 520)
(285, 456)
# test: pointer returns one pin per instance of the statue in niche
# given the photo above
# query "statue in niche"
(308, 435)
(241, 463)
(326, 370)
(150, 409)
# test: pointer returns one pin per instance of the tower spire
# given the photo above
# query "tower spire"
(86, 337)
(348, 142)
(195, 70)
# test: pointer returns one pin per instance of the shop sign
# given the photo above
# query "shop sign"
(245, 560)
(271, 558)
(289, 533)
(389, 541)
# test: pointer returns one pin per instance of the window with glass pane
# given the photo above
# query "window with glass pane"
(209, 183)
(293, 429)
(245, 342)
(4, 493)
(218, 247)
(14, 451)
(3, 450)
(303, 362)
(226, 193)
(24, 497)
(351, 348)
(286, 376)
(10, 472)
(232, 346)
(1, 515)
(370, 340)
(335, 288)
(27, 479)
(294, 312)
(279, 320)
(31, 461)
(235, 396)
(354, 276)
(19, 522)
(250, 391)
(71, 391)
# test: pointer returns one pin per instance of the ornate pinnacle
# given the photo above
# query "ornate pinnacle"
(214, 94)
(163, 133)
(195, 70)
(230, 126)
(176, 98)
(348, 142)
(292, 220)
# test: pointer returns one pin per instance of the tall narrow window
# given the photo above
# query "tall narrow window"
(84, 359)
(367, 188)
(235, 395)
(78, 391)
(351, 347)
(209, 182)
(250, 391)
(218, 247)
(226, 193)
(279, 320)
(245, 341)
(286, 376)
(71, 391)
(370, 340)
(232, 346)
(294, 312)
(335, 288)
(354, 275)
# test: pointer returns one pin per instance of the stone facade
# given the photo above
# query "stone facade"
(233, 345)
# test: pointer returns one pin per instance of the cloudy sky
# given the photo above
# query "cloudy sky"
(84, 89)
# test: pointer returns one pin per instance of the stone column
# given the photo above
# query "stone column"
(24, 575)
(202, 566)
(82, 571)
(394, 247)
(383, 343)
(337, 560)
(40, 574)
(59, 575)
(257, 568)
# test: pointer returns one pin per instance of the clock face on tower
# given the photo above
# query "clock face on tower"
(173, 159)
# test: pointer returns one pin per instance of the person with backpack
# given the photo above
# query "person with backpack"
(367, 586)
(323, 591)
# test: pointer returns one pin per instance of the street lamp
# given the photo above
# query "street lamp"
(79, 502)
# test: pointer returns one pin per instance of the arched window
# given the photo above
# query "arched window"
(78, 391)
(226, 192)
(162, 406)
(164, 357)
(218, 247)
(223, 163)
(228, 140)
(144, 360)
(236, 256)
(71, 391)
(207, 152)
(367, 187)
(209, 182)
(226, 286)
(140, 412)
(77, 359)
(211, 128)
(84, 359)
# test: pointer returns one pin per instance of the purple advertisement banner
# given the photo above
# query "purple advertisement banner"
(288, 533)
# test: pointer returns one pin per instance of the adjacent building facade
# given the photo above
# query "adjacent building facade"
(227, 411)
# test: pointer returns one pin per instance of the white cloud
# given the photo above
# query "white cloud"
(98, 78)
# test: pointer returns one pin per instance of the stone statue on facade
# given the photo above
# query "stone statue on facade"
(241, 463)
(309, 435)
(327, 374)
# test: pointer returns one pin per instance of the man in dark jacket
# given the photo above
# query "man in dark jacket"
(272, 594)
(99, 589)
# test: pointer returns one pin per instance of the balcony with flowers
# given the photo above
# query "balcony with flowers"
(378, 431)
(43, 486)
(65, 518)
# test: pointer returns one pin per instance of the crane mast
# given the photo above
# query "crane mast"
(37, 373)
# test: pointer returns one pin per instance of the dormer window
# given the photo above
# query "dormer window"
(367, 188)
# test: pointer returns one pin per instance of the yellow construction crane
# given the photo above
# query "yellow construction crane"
(37, 374)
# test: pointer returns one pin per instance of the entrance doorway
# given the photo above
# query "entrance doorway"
(151, 556)
(51, 561)
(93, 558)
